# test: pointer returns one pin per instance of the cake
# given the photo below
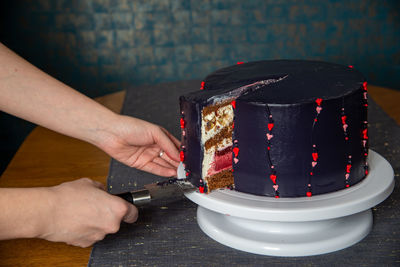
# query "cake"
(280, 128)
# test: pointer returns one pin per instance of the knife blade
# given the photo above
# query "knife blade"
(165, 191)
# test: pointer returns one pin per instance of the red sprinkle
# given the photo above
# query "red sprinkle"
(276, 196)
(365, 133)
(235, 151)
(233, 103)
(270, 126)
(315, 156)
(182, 156)
(202, 85)
(365, 86)
(182, 123)
(233, 125)
(273, 178)
(268, 148)
(240, 62)
(311, 173)
(309, 194)
(351, 66)
(315, 119)
(347, 185)
(366, 172)
(344, 119)
(348, 168)
(318, 101)
(201, 189)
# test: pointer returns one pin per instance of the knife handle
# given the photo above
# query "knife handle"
(137, 198)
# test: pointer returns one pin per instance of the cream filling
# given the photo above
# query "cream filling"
(212, 125)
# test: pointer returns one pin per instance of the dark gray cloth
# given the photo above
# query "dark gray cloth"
(168, 235)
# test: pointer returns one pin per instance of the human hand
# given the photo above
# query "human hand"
(83, 213)
(138, 144)
(52, 104)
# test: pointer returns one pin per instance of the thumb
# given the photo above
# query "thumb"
(131, 214)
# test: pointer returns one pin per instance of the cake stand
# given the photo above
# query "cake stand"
(295, 226)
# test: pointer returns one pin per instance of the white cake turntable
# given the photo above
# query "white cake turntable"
(295, 226)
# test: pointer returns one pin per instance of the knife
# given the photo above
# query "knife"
(165, 191)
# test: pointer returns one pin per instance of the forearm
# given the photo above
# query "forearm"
(23, 212)
(29, 93)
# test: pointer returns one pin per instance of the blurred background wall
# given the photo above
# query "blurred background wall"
(101, 46)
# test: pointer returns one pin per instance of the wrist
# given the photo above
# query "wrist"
(43, 213)
(104, 130)
(26, 212)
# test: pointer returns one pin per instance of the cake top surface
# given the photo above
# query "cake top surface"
(279, 82)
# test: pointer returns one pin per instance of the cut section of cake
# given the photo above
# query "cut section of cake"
(209, 136)
(216, 139)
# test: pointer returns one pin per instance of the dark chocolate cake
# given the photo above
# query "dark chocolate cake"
(281, 128)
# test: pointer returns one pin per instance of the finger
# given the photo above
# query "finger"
(170, 161)
(162, 162)
(173, 138)
(131, 214)
(166, 144)
(159, 170)
(143, 155)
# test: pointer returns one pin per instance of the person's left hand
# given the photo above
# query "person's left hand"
(142, 145)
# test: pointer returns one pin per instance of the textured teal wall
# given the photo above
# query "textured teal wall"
(100, 46)
(97, 45)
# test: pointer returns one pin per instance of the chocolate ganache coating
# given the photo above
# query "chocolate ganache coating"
(300, 127)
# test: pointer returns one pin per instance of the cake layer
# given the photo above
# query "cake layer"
(215, 119)
(220, 180)
(216, 158)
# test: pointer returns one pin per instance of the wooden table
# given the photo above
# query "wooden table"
(47, 158)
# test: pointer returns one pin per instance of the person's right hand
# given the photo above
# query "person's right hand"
(83, 213)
